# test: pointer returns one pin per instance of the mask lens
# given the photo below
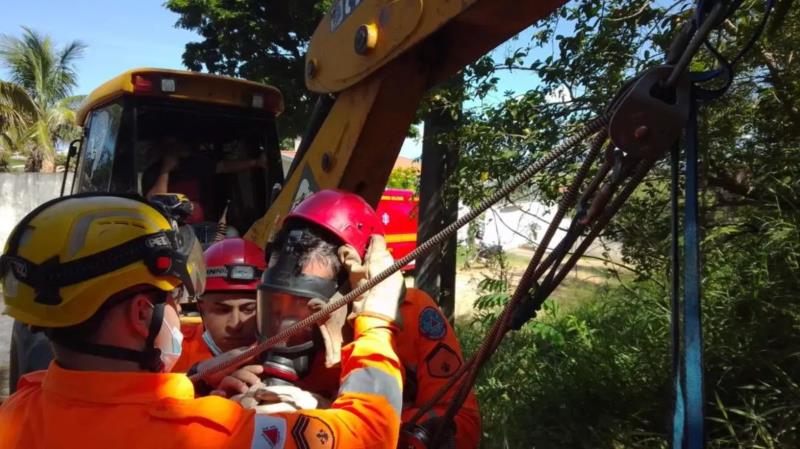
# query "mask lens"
(277, 311)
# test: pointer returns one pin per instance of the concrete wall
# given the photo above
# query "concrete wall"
(22, 192)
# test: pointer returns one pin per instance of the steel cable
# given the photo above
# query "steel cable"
(562, 148)
(472, 368)
(492, 337)
(526, 283)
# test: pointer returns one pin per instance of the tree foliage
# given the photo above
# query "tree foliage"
(599, 376)
(404, 178)
(263, 41)
(37, 105)
(583, 54)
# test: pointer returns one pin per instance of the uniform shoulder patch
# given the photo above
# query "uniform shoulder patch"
(269, 432)
(442, 361)
(310, 432)
(432, 324)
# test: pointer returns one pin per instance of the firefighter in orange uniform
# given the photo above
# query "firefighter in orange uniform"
(333, 227)
(102, 275)
(228, 305)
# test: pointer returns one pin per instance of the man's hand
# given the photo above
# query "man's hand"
(170, 162)
(214, 380)
(382, 300)
(261, 161)
(240, 381)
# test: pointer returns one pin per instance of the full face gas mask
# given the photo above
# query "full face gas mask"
(285, 297)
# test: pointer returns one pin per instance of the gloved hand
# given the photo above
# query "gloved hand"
(382, 300)
(331, 330)
(279, 399)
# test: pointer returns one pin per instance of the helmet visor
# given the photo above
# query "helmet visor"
(190, 267)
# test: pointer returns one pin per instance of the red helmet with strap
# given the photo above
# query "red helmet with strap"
(344, 214)
(233, 264)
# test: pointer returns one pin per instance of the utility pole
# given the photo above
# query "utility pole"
(436, 272)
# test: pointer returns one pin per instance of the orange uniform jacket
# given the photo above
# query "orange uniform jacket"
(194, 348)
(430, 354)
(64, 409)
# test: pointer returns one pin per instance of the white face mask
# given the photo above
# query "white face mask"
(170, 356)
(212, 345)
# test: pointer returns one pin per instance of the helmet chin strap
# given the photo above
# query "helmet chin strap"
(148, 359)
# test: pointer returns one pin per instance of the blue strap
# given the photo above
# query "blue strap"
(679, 408)
(688, 416)
(692, 323)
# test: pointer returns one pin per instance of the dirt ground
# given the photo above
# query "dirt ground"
(577, 286)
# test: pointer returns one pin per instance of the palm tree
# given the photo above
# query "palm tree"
(48, 76)
(17, 112)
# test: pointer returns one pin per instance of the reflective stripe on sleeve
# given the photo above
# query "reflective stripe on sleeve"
(371, 380)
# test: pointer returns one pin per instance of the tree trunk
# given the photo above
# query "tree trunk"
(48, 163)
(33, 164)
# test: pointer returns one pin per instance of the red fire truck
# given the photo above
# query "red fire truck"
(399, 212)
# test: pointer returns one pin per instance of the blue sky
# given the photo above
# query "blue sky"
(121, 35)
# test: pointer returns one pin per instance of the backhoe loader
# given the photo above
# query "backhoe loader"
(370, 62)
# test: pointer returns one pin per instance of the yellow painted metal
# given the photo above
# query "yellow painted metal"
(463, 30)
(400, 238)
(191, 86)
(357, 140)
(419, 44)
(338, 66)
(188, 320)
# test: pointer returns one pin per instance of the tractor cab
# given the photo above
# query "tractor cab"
(153, 131)
(210, 138)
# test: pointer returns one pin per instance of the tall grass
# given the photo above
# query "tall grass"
(598, 374)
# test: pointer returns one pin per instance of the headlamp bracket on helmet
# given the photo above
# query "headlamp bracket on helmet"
(235, 272)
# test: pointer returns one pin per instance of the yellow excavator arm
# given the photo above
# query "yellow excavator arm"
(375, 59)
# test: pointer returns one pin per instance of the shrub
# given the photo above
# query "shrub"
(599, 375)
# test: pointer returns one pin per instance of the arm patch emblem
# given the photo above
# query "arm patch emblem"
(442, 361)
(269, 432)
(432, 324)
(311, 432)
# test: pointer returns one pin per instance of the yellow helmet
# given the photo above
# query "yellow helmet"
(69, 255)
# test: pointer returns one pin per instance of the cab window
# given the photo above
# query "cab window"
(225, 160)
(97, 160)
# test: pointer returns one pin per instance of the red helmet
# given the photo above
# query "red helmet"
(233, 264)
(345, 214)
